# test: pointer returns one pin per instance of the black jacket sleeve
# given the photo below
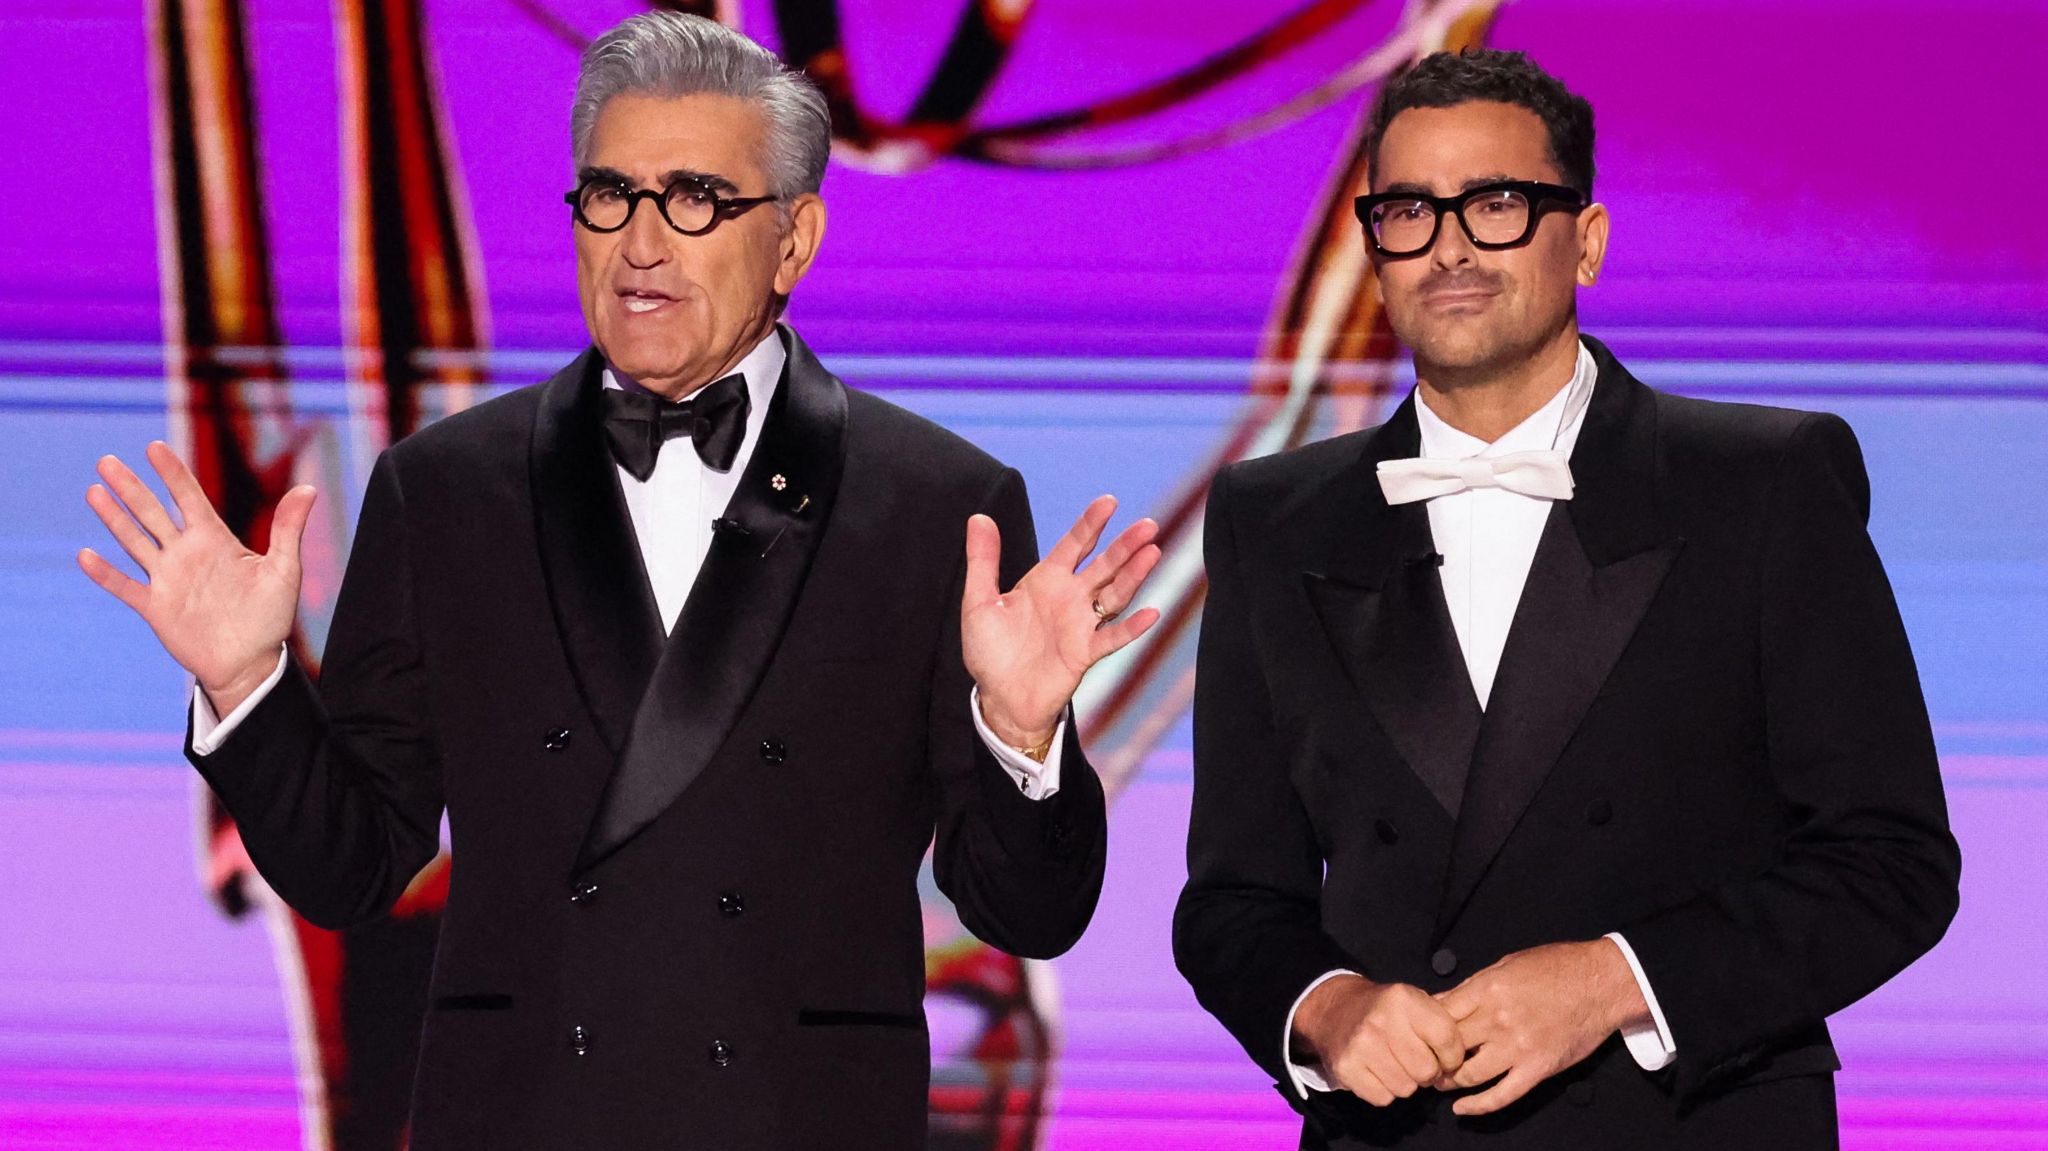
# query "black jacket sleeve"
(1247, 933)
(1865, 879)
(337, 793)
(1024, 874)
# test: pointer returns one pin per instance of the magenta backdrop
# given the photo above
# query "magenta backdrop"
(1820, 204)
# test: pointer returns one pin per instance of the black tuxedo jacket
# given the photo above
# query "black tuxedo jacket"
(684, 909)
(1706, 733)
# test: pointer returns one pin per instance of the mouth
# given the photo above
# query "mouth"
(642, 300)
(1464, 300)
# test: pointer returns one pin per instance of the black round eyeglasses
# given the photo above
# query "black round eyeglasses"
(691, 207)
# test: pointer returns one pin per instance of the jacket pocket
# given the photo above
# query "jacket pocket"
(813, 1017)
(1813, 1059)
(472, 1003)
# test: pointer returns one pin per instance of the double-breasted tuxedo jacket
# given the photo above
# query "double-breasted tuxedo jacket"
(684, 907)
(1706, 733)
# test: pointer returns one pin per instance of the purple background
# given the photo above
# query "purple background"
(1833, 205)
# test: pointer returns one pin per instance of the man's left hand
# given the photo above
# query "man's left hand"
(1028, 648)
(1535, 1013)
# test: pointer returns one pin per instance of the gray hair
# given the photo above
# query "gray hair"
(667, 54)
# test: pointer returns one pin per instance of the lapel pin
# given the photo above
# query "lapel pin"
(778, 481)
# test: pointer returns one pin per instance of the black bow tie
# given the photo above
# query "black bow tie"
(715, 419)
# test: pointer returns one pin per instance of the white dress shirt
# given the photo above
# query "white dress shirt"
(1488, 539)
(671, 513)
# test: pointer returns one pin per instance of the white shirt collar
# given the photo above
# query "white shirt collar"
(1555, 425)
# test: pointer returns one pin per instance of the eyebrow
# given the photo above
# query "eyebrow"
(711, 180)
(673, 176)
(1414, 189)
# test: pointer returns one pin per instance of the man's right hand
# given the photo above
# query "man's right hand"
(221, 610)
(1379, 1041)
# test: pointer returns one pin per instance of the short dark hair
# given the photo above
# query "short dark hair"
(1444, 80)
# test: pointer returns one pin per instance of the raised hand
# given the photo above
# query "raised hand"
(1379, 1041)
(1536, 1013)
(1028, 648)
(220, 610)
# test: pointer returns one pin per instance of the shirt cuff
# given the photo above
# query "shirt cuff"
(1036, 780)
(1650, 1043)
(1305, 1077)
(209, 730)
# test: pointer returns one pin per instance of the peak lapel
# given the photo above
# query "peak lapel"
(739, 607)
(604, 606)
(1602, 558)
(1381, 600)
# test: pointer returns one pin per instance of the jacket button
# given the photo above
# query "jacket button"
(1388, 835)
(584, 892)
(1599, 812)
(556, 739)
(772, 751)
(1444, 961)
(732, 905)
(579, 1040)
(722, 1053)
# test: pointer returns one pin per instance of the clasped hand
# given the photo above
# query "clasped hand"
(1514, 1024)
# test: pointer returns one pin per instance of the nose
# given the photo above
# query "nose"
(1453, 248)
(645, 241)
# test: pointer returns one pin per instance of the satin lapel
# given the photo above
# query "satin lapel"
(738, 608)
(1381, 600)
(1602, 558)
(604, 606)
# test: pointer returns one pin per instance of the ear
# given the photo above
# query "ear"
(1593, 225)
(800, 242)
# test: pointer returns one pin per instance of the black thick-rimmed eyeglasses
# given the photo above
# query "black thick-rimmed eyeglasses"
(691, 207)
(1494, 216)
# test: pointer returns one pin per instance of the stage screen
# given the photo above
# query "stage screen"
(1107, 240)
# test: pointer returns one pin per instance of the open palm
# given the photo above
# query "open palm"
(219, 609)
(1028, 648)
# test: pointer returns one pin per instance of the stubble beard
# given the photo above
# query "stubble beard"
(1448, 354)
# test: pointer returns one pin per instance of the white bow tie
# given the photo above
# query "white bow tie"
(1544, 475)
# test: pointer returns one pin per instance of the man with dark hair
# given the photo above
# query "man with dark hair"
(698, 650)
(1560, 760)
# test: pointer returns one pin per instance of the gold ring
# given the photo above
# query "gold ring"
(1101, 616)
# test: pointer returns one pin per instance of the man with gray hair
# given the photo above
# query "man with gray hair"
(695, 647)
